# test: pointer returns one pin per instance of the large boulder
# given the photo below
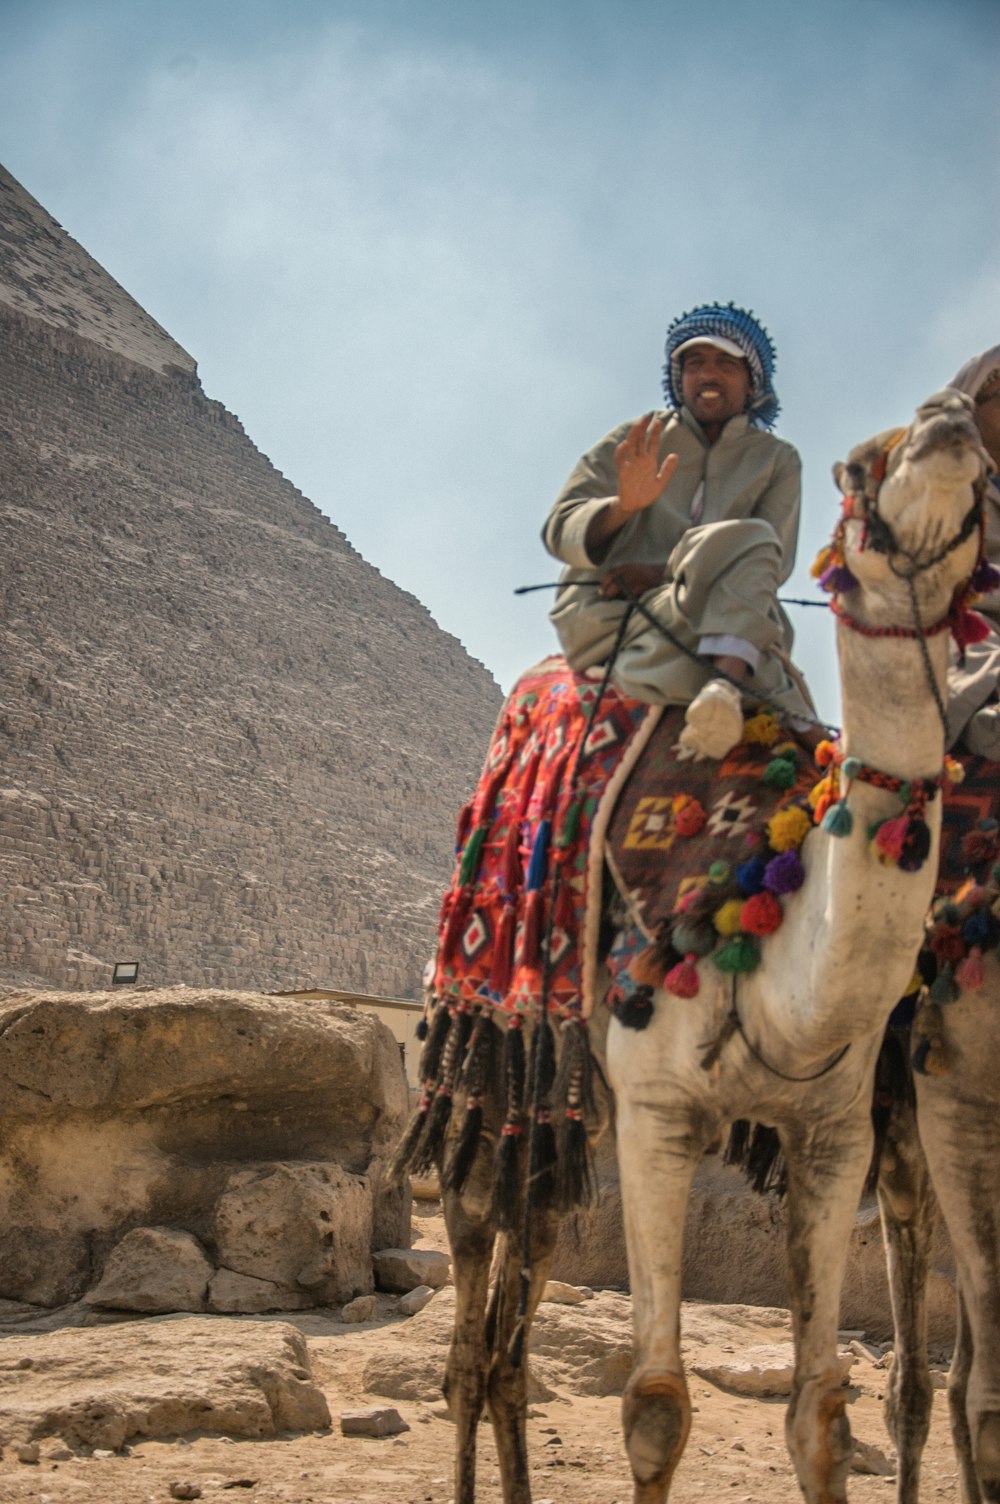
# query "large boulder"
(203, 1112)
(101, 1387)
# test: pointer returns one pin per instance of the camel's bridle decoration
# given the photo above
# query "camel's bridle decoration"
(904, 840)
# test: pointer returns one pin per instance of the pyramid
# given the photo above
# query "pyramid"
(229, 748)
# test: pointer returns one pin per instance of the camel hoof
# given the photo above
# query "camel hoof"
(656, 1417)
(987, 1456)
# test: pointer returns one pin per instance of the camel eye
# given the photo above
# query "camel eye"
(856, 476)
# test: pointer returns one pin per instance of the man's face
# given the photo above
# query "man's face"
(715, 386)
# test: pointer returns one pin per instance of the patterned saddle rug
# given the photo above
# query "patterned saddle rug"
(700, 850)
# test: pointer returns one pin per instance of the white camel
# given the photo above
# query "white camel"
(951, 1139)
(795, 1041)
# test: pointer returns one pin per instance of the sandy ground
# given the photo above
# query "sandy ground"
(736, 1450)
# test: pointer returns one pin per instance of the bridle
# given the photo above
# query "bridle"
(835, 575)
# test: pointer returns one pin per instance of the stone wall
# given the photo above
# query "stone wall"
(229, 748)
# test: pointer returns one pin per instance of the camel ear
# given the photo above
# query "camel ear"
(840, 477)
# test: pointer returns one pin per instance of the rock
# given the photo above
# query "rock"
(305, 1226)
(364, 1308)
(154, 1269)
(244, 1294)
(98, 1386)
(764, 1371)
(865, 1350)
(415, 1300)
(184, 1490)
(380, 1420)
(871, 1459)
(252, 1099)
(562, 1294)
(102, 1453)
(27, 1451)
(735, 1251)
(425, 1187)
(400, 1270)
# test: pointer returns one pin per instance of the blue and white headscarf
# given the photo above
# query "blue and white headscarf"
(726, 321)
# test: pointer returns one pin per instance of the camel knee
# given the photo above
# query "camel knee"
(656, 1418)
(986, 1455)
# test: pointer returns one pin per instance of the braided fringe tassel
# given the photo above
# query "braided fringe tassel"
(431, 1145)
(542, 1137)
(430, 1064)
(475, 1072)
(509, 1165)
(573, 1089)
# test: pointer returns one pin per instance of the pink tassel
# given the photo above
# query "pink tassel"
(969, 973)
(889, 838)
(682, 979)
(968, 627)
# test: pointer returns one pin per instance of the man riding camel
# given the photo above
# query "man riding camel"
(694, 510)
(974, 685)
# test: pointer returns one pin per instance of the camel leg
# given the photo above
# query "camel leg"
(958, 1390)
(507, 1384)
(909, 1214)
(826, 1171)
(962, 1139)
(471, 1239)
(657, 1157)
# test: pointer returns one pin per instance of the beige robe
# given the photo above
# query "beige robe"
(723, 570)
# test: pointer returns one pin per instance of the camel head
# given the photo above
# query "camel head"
(912, 509)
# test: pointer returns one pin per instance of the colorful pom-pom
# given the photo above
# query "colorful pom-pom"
(954, 771)
(978, 846)
(718, 872)
(981, 928)
(750, 876)
(693, 939)
(761, 730)
(838, 820)
(889, 837)
(944, 988)
(969, 973)
(824, 754)
(740, 954)
(838, 580)
(850, 767)
(780, 773)
(984, 579)
(823, 560)
(682, 979)
(727, 918)
(761, 915)
(788, 828)
(689, 817)
(784, 873)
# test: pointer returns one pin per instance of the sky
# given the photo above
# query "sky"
(427, 250)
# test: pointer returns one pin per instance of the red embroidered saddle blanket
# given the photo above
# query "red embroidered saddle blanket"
(517, 921)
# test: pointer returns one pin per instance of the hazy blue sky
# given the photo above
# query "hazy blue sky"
(427, 251)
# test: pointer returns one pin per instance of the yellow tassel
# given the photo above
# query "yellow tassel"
(761, 730)
(727, 919)
(788, 829)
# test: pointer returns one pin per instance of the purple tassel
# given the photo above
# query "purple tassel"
(784, 873)
(984, 578)
(838, 580)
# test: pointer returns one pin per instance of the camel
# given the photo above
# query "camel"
(793, 1044)
(943, 1148)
